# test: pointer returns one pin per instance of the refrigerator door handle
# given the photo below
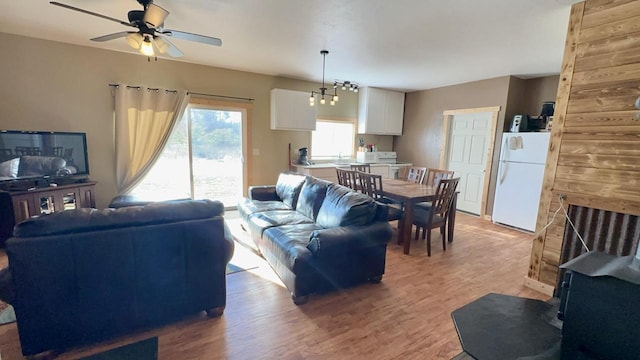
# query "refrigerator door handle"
(503, 161)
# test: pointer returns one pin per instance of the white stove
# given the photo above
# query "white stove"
(377, 157)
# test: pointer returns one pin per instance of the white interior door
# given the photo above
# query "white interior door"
(469, 143)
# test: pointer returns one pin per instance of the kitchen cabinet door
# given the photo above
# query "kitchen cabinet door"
(380, 111)
(394, 112)
(371, 111)
(290, 110)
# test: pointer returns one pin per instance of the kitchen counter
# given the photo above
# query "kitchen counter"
(327, 170)
(334, 165)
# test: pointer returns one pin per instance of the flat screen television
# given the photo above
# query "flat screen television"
(32, 158)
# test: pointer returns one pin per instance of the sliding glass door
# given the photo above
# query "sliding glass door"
(203, 159)
(216, 154)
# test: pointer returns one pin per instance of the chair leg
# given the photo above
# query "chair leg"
(428, 241)
(400, 229)
(444, 242)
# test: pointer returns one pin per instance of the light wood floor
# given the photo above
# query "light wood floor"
(406, 316)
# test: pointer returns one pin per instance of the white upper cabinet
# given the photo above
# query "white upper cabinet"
(290, 110)
(380, 111)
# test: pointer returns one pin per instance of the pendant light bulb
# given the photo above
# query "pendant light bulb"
(146, 47)
(322, 101)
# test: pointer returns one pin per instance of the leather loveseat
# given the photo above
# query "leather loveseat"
(86, 275)
(317, 235)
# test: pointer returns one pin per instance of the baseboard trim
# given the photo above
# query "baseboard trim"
(539, 286)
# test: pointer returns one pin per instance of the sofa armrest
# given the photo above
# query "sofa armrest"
(263, 193)
(328, 241)
(229, 244)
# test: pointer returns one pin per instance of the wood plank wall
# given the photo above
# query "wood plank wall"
(594, 154)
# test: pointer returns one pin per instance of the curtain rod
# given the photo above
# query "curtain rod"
(188, 92)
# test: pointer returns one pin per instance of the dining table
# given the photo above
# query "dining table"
(409, 194)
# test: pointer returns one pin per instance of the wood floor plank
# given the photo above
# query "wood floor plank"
(406, 316)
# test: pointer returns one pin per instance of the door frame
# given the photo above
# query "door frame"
(246, 109)
(445, 146)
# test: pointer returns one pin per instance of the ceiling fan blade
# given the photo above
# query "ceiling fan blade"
(165, 46)
(193, 37)
(154, 15)
(90, 13)
(113, 36)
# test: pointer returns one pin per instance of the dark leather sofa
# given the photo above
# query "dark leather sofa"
(86, 275)
(317, 235)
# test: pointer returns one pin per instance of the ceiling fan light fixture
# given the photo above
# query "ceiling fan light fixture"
(154, 15)
(146, 48)
(149, 25)
(134, 40)
(161, 45)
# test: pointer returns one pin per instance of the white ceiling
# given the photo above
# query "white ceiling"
(396, 44)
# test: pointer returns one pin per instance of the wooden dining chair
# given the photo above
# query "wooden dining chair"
(436, 215)
(416, 174)
(342, 176)
(371, 185)
(361, 167)
(433, 175)
(347, 177)
(431, 178)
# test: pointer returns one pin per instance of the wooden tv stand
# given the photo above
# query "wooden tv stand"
(19, 205)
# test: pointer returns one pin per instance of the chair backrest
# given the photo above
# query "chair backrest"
(52, 151)
(361, 167)
(434, 175)
(416, 174)
(446, 188)
(370, 184)
(347, 177)
(27, 150)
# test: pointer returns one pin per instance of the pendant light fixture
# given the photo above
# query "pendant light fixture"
(333, 98)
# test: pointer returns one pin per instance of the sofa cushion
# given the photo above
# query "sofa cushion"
(343, 207)
(247, 206)
(288, 188)
(260, 221)
(85, 219)
(289, 244)
(311, 196)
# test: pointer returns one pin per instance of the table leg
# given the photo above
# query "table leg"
(451, 221)
(406, 226)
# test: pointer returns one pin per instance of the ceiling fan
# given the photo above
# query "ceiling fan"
(150, 38)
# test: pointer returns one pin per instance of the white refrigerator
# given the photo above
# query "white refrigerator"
(520, 175)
